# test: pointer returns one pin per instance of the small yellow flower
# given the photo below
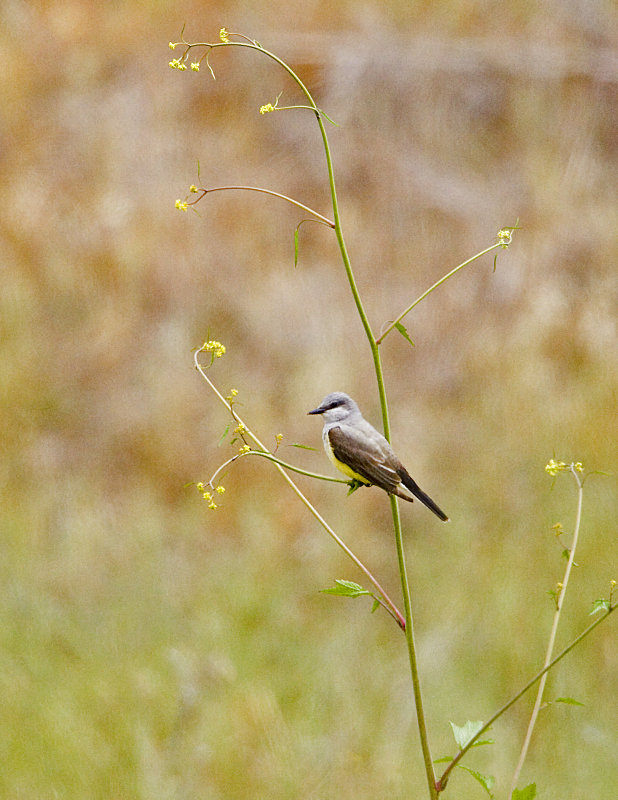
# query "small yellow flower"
(244, 449)
(279, 438)
(182, 67)
(233, 392)
(212, 505)
(206, 495)
(613, 584)
(553, 467)
(220, 489)
(181, 205)
(578, 466)
(172, 45)
(265, 109)
(195, 66)
(216, 348)
(558, 529)
(193, 188)
(224, 35)
(505, 236)
(240, 429)
(200, 486)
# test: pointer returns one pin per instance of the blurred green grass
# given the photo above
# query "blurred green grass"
(153, 649)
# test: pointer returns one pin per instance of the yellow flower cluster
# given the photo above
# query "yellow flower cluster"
(208, 496)
(224, 36)
(216, 348)
(554, 467)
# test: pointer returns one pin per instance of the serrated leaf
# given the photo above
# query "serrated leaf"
(486, 781)
(346, 589)
(599, 605)
(466, 732)
(529, 793)
(570, 701)
(402, 330)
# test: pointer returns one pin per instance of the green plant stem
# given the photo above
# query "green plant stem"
(410, 641)
(291, 200)
(409, 628)
(442, 781)
(272, 457)
(552, 635)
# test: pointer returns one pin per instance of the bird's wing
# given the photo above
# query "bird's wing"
(364, 452)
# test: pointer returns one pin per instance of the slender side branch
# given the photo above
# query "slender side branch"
(562, 587)
(442, 781)
(431, 289)
(407, 624)
(387, 603)
(203, 192)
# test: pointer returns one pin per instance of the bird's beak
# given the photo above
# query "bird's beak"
(317, 410)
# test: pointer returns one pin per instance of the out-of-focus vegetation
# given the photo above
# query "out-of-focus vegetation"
(151, 648)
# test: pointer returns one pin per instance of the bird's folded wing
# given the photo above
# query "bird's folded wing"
(364, 457)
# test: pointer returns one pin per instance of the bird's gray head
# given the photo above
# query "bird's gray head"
(336, 407)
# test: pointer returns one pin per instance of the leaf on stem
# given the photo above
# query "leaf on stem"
(529, 793)
(402, 330)
(569, 701)
(486, 781)
(223, 435)
(599, 605)
(296, 246)
(466, 732)
(325, 115)
(346, 589)
(303, 446)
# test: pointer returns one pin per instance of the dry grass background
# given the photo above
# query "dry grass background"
(152, 649)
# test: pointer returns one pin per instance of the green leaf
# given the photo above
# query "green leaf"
(486, 781)
(569, 701)
(375, 606)
(529, 793)
(346, 589)
(354, 485)
(599, 605)
(223, 435)
(296, 247)
(325, 115)
(303, 446)
(402, 330)
(466, 732)
(442, 760)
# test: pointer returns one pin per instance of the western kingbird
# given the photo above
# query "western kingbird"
(357, 449)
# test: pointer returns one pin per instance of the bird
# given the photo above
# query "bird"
(358, 450)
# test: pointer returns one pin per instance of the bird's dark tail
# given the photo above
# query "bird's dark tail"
(416, 490)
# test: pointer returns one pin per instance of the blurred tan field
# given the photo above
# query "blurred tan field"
(151, 648)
